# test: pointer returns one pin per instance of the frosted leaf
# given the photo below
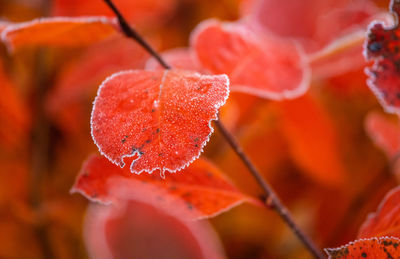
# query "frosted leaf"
(162, 119)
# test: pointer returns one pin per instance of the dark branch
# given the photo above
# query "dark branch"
(272, 200)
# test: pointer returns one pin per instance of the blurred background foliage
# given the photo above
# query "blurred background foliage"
(45, 105)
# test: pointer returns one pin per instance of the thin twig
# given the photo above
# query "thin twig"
(272, 200)
(131, 33)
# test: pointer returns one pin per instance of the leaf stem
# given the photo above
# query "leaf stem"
(272, 200)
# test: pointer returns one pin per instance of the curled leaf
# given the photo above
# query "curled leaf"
(160, 118)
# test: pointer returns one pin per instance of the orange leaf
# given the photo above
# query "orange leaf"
(161, 118)
(373, 248)
(312, 140)
(202, 186)
(59, 32)
(263, 67)
(386, 221)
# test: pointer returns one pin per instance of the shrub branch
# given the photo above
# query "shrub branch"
(272, 200)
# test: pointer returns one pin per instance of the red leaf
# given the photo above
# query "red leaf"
(60, 32)
(386, 221)
(139, 228)
(313, 140)
(374, 248)
(267, 68)
(382, 47)
(161, 118)
(202, 186)
(384, 132)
